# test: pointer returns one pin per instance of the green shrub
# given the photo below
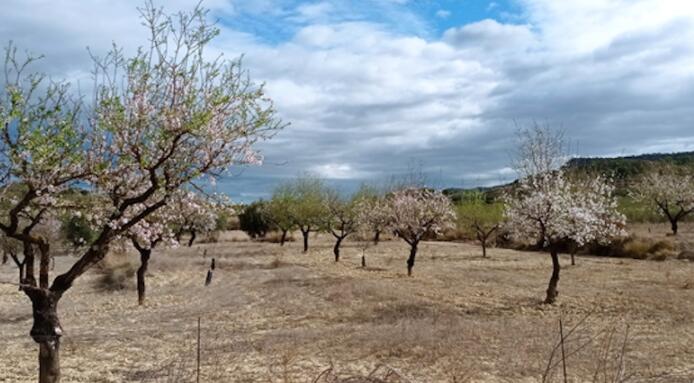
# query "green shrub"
(254, 221)
(77, 231)
(638, 212)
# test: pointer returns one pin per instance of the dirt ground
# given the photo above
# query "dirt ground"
(273, 314)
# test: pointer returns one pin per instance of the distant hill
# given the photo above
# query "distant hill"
(622, 169)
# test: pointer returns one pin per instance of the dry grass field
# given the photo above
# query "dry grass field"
(273, 314)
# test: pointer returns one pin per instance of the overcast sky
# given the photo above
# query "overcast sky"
(372, 87)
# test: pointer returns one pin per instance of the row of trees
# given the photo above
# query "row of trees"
(308, 205)
(547, 208)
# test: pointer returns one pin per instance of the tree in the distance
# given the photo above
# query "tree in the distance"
(191, 213)
(340, 218)
(670, 189)
(278, 211)
(372, 212)
(482, 218)
(161, 120)
(308, 208)
(253, 219)
(415, 213)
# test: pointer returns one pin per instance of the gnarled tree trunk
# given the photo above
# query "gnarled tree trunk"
(305, 234)
(193, 235)
(674, 226)
(46, 331)
(377, 237)
(283, 238)
(410, 259)
(336, 248)
(552, 291)
(145, 254)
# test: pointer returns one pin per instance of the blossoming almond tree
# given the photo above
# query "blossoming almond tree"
(372, 212)
(161, 119)
(415, 213)
(670, 189)
(191, 213)
(548, 208)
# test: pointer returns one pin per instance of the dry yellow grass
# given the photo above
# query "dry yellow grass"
(273, 314)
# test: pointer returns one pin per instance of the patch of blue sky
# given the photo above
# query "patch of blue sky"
(276, 21)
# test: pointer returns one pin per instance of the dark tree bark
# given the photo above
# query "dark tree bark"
(145, 254)
(483, 236)
(336, 248)
(178, 235)
(283, 238)
(377, 237)
(4, 258)
(44, 264)
(363, 260)
(410, 259)
(46, 331)
(193, 235)
(674, 226)
(305, 233)
(29, 265)
(552, 291)
(20, 267)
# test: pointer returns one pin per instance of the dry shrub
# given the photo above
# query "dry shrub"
(455, 235)
(381, 374)
(116, 272)
(686, 255)
(211, 237)
(638, 248)
(276, 237)
(607, 350)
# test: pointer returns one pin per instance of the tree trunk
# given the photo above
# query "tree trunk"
(552, 292)
(4, 258)
(44, 265)
(484, 248)
(336, 249)
(193, 234)
(305, 235)
(283, 238)
(410, 260)
(363, 261)
(141, 274)
(49, 362)
(674, 226)
(573, 259)
(21, 274)
(377, 237)
(46, 331)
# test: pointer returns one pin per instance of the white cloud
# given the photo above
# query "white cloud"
(365, 97)
(336, 171)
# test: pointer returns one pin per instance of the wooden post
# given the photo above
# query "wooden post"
(198, 359)
(563, 354)
(208, 279)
